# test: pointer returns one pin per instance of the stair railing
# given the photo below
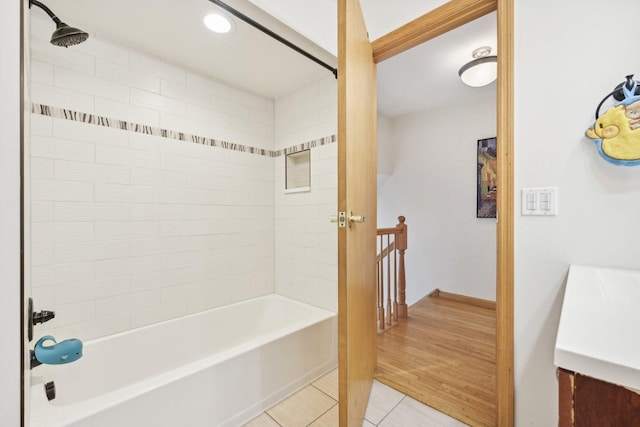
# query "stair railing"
(390, 275)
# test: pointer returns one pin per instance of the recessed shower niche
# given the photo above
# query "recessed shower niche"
(298, 172)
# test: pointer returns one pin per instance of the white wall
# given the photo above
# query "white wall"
(10, 310)
(386, 146)
(131, 229)
(434, 186)
(561, 73)
(306, 242)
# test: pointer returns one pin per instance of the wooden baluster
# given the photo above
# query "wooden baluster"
(395, 278)
(381, 288)
(389, 312)
(401, 245)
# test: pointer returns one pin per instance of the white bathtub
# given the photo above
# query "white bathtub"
(221, 367)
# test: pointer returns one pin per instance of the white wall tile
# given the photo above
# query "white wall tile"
(158, 177)
(79, 82)
(74, 313)
(126, 303)
(158, 102)
(90, 290)
(209, 116)
(65, 252)
(208, 86)
(159, 279)
(124, 75)
(81, 212)
(52, 148)
(61, 232)
(63, 98)
(185, 228)
(104, 49)
(126, 230)
(41, 72)
(126, 157)
(252, 101)
(42, 211)
(86, 132)
(183, 124)
(41, 168)
(42, 254)
(57, 274)
(90, 172)
(184, 93)
(126, 193)
(126, 266)
(41, 125)
(146, 64)
(157, 212)
(123, 111)
(66, 191)
(158, 314)
(183, 195)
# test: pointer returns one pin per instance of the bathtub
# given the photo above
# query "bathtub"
(221, 367)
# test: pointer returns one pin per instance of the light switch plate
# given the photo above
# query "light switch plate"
(541, 201)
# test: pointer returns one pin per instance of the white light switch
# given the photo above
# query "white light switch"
(540, 201)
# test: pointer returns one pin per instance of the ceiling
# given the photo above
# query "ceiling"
(422, 78)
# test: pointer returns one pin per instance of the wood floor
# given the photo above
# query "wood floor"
(444, 356)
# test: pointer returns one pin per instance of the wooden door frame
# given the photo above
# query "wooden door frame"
(445, 18)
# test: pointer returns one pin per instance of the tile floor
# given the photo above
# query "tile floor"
(316, 405)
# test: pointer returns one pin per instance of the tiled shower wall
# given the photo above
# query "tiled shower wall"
(131, 227)
(305, 241)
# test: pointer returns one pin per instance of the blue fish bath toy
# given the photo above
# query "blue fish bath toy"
(66, 351)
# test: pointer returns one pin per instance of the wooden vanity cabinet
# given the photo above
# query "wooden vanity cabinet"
(589, 402)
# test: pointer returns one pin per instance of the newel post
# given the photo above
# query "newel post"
(401, 246)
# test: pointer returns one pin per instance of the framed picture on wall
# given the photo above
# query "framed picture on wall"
(487, 178)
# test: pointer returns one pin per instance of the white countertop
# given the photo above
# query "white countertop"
(599, 331)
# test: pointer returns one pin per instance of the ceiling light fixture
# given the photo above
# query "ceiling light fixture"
(218, 23)
(482, 70)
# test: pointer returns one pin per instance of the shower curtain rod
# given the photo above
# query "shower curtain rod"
(273, 35)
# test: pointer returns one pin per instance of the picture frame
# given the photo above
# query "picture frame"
(487, 173)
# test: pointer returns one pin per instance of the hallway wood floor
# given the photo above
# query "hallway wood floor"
(444, 356)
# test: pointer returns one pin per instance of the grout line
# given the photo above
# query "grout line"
(274, 420)
(327, 394)
(320, 416)
(391, 410)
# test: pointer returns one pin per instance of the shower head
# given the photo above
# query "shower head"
(64, 35)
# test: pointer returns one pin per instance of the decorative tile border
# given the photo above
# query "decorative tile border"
(76, 116)
(307, 145)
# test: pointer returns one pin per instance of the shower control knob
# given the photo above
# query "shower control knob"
(50, 390)
(43, 316)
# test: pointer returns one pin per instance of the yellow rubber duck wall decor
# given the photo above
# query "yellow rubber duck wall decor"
(617, 132)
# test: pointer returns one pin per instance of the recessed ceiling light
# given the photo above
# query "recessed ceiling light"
(218, 23)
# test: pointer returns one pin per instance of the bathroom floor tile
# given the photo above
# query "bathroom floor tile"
(328, 419)
(302, 408)
(263, 420)
(367, 424)
(381, 400)
(410, 412)
(328, 383)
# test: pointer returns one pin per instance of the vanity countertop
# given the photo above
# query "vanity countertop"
(599, 331)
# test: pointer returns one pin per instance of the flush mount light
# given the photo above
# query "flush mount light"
(218, 23)
(482, 70)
